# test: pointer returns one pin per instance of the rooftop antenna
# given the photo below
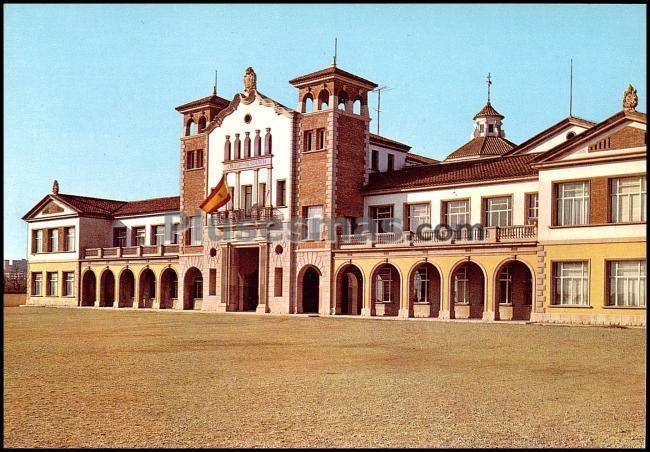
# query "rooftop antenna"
(489, 83)
(335, 49)
(378, 90)
(571, 90)
(214, 90)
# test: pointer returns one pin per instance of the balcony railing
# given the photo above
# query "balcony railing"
(131, 251)
(256, 214)
(521, 233)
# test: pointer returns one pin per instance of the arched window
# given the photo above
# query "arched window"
(323, 99)
(257, 144)
(268, 142)
(570, 135)
(307, 103)
(190, 127)
(342, 99)
(226, 149)
(201, 124)
(247, 145)
(237, 147)
(356, 106)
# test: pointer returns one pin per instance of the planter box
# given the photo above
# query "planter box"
(505, 312)
(421, 310)
(380, 309)
(461, 311)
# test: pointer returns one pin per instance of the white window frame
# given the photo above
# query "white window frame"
(68, 284)
(37, 284)
(573, 196)
(54, 240)
(52, 284)
(574, 277)
(533, 207)
(500, 209)
(70, 238)
(313, 222)
(460, 281)
(453, 217)
(634, 285)
(381, 213)
(421, 283)
(628, 207)
(418, 218)
(384, 286)
(158, 234)
(505, 285)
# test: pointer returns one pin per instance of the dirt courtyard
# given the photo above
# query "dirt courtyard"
(101, 378)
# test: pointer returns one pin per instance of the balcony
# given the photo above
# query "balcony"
(504, 234)
(253, 215)
(131, 251)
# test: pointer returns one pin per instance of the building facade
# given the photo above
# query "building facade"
(326, 217)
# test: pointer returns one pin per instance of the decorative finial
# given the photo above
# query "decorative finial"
(630, 99)
(250, 80)
(55, 187)
(489, 82)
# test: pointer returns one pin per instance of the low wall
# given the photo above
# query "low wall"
(14, 299)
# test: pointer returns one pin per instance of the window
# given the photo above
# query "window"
(195, 229)
(119, 236)
(572, 203)
(277, 286)
(418, 214)
(308, 140)
(189, 160)
(247, 196)
(628, 199)
(37, 284)
(421, 285)
(281, 193)
(571, 283)
(52, 284)
(176, 233)
(505, 285)
(391, 162)
(261, 194)
(384, 286)
(158, 234)
(198, 159)
(213, 281)
(457, 213)
(498, 211)
(54, 240)
(481, 128)
(139, 235)
(460, 286)
(70, 240)
(320, 139)
(198, 288)
(68, 284)
(37, 241)
(382, 217)
(490, 128)
(374, 160)
(532, 208)
(626, 283)
(314, 219)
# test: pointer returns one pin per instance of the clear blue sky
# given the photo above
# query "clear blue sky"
(90, 90)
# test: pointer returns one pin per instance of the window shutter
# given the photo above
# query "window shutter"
(443, 212)
(406, 220)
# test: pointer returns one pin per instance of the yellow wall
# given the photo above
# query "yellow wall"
(597, 255)
(59, 267)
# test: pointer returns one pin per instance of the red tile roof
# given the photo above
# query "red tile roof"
(453, 173)
(383, 141)
(482, 146)
(549, 132)
(169, 204)
(330, 71)
(212, 99)
(421, 159)
(87, 205)
(488, 110)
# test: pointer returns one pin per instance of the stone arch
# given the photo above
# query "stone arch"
(190, 127)
(147, 288)
(107, 288)
(201, 124)
(470, 287)
(168, 288)
(349, 290)
(126, 284)
(323, 100)
(192, 287)
(424, 289)
(307, 103)
(385, 293)
(309, 294)
(227, 149)
(356, 105)
(342, 100)
(514, 291)
(88, 288)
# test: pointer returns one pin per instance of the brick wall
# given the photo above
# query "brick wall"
(350, 165)
(192, 184)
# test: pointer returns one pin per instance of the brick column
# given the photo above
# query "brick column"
(539, 284)
(263, 291)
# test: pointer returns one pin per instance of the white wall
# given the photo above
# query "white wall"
(47, 224)
(262, 117)
(556, 139)
(399, 157)
(147, 221)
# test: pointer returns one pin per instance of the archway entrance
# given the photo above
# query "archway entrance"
(89, 289)
(192, 288)
(127, 289)
(147, 288)
(467, 292)
(424, 291)
(310, 290)
(107, 289)
(349, 291)
(168, 288)
(245, 279)
(513, 292)
(385, 291)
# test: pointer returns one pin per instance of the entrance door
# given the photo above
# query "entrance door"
(251, 296)
(310, 286)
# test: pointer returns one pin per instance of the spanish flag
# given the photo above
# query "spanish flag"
(219, 196)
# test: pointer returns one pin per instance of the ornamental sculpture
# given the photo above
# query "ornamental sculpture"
(250, 80)
(55, 187)
(630, 99)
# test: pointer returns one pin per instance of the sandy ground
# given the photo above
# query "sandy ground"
(91, 377)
